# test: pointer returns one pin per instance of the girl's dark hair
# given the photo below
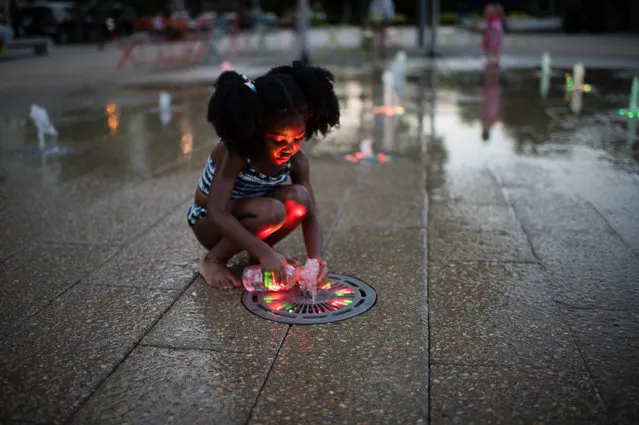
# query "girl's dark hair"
(239, 113)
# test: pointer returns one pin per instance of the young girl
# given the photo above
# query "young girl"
(493, 31)
(242, 202)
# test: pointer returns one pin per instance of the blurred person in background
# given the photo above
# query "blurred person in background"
(493, 37)
(381, 14)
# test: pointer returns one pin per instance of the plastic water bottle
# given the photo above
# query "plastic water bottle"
(253, 279)
(306, 276)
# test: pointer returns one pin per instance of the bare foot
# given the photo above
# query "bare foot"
(217, 275)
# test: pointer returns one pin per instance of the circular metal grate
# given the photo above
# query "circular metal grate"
(342, 297)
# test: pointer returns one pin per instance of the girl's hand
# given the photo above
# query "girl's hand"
(293, 260)
(276, 263)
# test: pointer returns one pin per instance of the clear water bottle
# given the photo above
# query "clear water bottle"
(255, 281)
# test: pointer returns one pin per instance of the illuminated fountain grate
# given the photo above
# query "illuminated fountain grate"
(342, 297)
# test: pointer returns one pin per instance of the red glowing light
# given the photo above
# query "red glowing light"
(338, 303)
(279, 306)
(294, 211)
(328, 285)
(344, 291)
(268, 230)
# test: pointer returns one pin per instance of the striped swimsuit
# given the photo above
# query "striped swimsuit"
(249, 183)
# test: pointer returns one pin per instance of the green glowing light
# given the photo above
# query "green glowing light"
(629, 113)
(268, 279)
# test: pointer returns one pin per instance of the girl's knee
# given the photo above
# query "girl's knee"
(273, 213)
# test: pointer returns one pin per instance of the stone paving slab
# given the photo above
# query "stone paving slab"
(470, 186)
(165, 257)
(609, 343)
(497, 314)
(206, 319)
(580, 248)
(556, 212)
(385, 205)
(128, 212)
(54, 362)
(157, 385)
(459, 232)
(611, 286)
(41, 273)
(513, 395)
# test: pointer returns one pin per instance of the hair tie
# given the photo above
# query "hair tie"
(248, 83)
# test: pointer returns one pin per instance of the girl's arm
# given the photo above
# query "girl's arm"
(227, 168)
(311, 226)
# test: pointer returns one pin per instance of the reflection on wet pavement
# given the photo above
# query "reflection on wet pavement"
(532, 236)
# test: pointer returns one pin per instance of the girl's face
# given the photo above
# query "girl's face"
(284, 138)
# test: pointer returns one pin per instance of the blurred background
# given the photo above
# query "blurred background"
(83, 20)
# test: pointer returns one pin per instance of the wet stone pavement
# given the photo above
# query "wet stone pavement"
(502, 241)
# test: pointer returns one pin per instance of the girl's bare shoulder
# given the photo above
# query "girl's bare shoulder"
(221, 157)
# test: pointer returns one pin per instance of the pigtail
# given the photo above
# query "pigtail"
(235, 112)
(317, 86)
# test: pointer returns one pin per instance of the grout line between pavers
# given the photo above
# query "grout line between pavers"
(23, 322)
(268, 374)
(340, 212)
(427, 297)
(559, 310)
(172, 210)
(605, 219)
(126, 356)
(161, 288)
(78, 243)
(427, 190)
(21, 249)
(514, 214)
(583, 359)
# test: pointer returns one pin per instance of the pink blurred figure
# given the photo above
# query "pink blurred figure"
(227, 66)
(493, 38)
(491, 94)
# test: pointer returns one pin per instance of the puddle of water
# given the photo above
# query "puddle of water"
(483, 114)
(526, 124)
